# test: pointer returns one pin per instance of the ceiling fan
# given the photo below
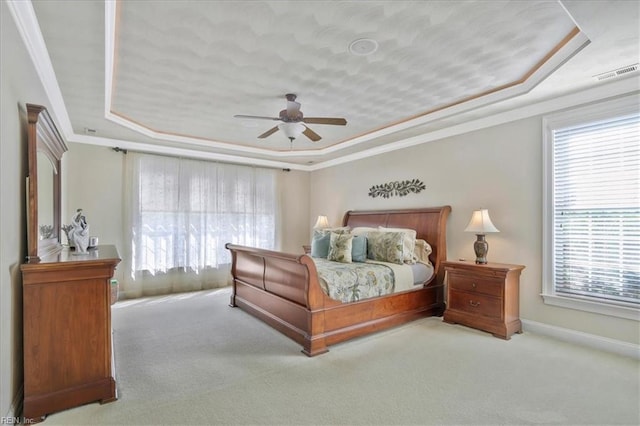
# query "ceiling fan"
(292, 121)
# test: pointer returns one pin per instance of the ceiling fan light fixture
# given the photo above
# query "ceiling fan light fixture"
(363, 46)
(291, 130)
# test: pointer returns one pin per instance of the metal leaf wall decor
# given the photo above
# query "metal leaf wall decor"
(398, 188)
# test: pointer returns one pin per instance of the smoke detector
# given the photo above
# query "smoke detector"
(363, 46)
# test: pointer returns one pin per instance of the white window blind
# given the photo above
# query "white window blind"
(596, 210)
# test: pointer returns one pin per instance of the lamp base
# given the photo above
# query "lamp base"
(481, 247)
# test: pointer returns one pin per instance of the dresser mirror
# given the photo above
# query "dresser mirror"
(45, 149)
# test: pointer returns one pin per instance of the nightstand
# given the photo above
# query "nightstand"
(486, 297)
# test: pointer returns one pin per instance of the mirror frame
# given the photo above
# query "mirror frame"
(43, 136)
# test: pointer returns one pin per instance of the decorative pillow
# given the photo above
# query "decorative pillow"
(385, 246)
(326, 231)
(320, 246)
(409, 243)
(422, 251)
(340, 247)
(359, 248)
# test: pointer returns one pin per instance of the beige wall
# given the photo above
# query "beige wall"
(498, 168)
(93, 179)
(19, 84)
(294, 210)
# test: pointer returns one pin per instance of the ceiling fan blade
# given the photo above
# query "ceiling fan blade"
(311, 134)
(325, 120)
(268, 132)
(293, 109)
(258, 117)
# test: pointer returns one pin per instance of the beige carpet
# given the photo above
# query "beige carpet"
(191, 359)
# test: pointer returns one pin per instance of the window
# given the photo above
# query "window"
(184, 211)
(592, 208)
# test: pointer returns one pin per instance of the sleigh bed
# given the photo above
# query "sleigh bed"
(284, 290)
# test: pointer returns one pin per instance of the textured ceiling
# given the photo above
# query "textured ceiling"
(187, 70)
(178, 71)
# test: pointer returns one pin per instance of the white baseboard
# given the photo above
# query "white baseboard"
(591, 340)
(16, 405)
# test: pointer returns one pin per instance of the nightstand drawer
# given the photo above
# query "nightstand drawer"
(472, 284)
(476, 304)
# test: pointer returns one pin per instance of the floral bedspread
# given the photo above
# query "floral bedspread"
(350, 282)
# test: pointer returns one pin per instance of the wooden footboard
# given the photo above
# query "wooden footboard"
(283, 289)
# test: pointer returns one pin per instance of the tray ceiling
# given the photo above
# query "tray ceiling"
(172, 74)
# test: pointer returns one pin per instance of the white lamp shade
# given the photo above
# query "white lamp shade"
(480, 223)
(291, 130)
(322, 222)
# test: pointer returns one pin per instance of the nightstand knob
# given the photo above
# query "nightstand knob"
(474, 304)
(473, 285)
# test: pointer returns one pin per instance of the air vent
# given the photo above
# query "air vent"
(88, 131)
(617, 73)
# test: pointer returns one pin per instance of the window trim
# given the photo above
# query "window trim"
(575, 116)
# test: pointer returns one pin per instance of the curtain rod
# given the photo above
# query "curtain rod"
(125, 151)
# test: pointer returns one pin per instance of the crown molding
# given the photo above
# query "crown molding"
(604, 91)
(26, 21)
(183, 152)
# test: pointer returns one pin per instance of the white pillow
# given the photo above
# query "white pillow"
(409, 243)
(363, 230)
(422, 251)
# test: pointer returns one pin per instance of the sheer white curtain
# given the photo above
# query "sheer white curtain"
(179, 215)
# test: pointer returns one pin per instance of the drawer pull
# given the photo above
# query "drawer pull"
(474, 304)
(473, 285)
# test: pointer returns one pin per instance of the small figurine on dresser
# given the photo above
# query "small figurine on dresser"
(79, 233)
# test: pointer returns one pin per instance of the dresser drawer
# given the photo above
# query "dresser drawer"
(476, 304)
(458, 281)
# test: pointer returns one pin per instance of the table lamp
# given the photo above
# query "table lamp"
(322, 222)
(480, 224)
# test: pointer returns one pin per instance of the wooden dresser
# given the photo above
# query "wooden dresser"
(486, 297)
(68, 356)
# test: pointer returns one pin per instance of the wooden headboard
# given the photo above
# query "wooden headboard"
(430, 225)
